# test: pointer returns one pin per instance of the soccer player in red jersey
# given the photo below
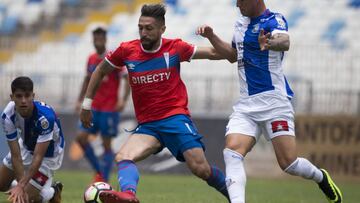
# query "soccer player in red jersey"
(105, 109)
(160, 101)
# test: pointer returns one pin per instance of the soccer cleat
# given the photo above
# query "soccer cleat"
(58, 187)
(99, 178)
(332, 192)
(117, 197)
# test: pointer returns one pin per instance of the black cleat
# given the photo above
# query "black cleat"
(332, 192)
(58, 187)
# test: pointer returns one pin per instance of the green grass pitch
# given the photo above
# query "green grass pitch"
(189, 189)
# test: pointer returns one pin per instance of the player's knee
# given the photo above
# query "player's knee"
(82, 139)
(286, 161)
(201, 170)
(121, 156)
(239, 148)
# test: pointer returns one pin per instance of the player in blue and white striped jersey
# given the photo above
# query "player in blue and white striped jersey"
(36, 147)
(264, 107)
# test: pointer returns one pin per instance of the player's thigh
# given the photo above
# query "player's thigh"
(137, 147)
(285, 150)
(241, 133)
(6, 177)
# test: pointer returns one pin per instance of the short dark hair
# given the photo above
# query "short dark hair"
(22, 83)
(156, 11)
(99, 31)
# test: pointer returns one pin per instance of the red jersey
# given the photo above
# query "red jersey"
(106, 97)
(157, 89)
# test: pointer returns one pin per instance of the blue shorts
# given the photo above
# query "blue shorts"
(104, 122)
(178, 133)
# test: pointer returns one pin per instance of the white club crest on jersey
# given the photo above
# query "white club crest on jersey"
(131, 66)
(167, 59)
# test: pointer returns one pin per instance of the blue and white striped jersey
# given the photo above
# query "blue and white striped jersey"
(41, 127)
(260, 71)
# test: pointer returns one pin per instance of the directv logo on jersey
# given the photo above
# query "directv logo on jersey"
(145, 79)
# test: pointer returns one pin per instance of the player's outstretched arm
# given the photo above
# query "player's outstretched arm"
(276, 42)
(207, 53)
(223, 48)
(100, 72)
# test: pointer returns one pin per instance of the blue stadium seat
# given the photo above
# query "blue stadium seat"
(354, 3)
(72, 2)
(35, 1)
(9, 25)
(331, 34)
(332, 31)
(295, 16)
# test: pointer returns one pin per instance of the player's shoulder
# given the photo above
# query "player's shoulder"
(274, 16)
(9, 110)
(93, 55)
(130, 44)
(44, 110)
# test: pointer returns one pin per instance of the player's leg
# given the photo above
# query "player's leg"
(199, 166)
(6, 177)
(236, 147)
(83, 139)
(108, 129)
(137, 147)
(180, 136)
(241, 135)
(108, 157)
(281, 132)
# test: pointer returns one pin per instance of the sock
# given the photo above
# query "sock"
(108, 159)
(47, 193)
(217, 181)
(235, 175)
(128, 175)
(304, 168)
(91, 157)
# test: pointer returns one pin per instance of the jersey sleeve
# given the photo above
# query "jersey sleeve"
(45, 125)
(8, 127)
(89, 68)
(278, 24)
(115, 58)
(185, 50)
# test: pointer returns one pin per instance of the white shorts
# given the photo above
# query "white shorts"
(265, 113)
(43, 178)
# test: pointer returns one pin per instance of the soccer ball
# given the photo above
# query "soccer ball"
(91, 194)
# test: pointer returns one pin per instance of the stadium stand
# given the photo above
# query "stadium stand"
(323, 64)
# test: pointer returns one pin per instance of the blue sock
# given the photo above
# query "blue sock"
(108, 159)
(217, 181)
(91, 157)
(128, 175)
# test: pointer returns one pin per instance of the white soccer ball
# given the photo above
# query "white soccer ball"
(91, 194)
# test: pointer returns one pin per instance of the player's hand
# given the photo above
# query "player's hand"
(264, 40)
(120, 105)
(86, 118)
(205, 31)
(18, 195)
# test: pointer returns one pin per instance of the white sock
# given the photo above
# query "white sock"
(304, 168)
(235, 175)
(13, 184)
(47, 193)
